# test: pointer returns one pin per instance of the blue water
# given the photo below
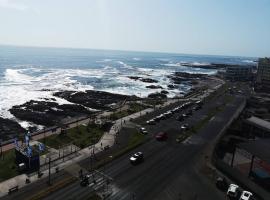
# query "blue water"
(35, 73)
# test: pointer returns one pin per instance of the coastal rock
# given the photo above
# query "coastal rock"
(171, 87)
(145, 80)
(180, 77)
(93, 99)
(157, 96)
(10, 129)
(154, 87)
(164, 92)
(47, 113)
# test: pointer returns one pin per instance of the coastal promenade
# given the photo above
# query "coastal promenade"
(107, 140)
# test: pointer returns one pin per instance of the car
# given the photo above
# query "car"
(189, 113)
(246, 195)
(143, 130)
(162, 116)
(85, 181)
(150, 122)
(136, 158)
(157, 119)
(197, 107)
(233, 190)
(184, 127)
(161, 136)
(222, 184)
(180, 118)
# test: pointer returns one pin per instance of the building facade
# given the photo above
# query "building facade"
(239, 73)
(263, 73)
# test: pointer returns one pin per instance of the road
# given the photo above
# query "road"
(170, 170)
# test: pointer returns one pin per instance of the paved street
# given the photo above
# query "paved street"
(170, 170)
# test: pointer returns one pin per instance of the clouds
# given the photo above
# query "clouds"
(13, 4)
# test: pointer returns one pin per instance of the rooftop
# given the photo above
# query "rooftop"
(258, 122)
(258, 148)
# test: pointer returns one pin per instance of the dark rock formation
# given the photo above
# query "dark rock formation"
(179, 77)
(157, 96)
(145, 80)
(164, 92)
(154, 87)
(10, 129)
(93, 99)
(47, 113)
(171, 87)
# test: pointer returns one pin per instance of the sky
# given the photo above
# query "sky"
(215, 27)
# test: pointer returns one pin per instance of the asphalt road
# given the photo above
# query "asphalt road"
(170, 170)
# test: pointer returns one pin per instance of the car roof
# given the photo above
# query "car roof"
(233, 187)
(246, 192)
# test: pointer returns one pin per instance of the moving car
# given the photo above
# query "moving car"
(136, 158)
(161, 136)
(233, 190)
(143, 130)
(246, 195)
(85, 181)
(222, 184)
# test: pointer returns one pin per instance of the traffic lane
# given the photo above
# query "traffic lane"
(154, 174)
(119, 166)
(25, 192)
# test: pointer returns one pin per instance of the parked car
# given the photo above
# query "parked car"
(233, 190)
(222, 184)
(150, 122)
(143, 130)
(197, 107)
(136, 158)
(246, 195)
(184, 127)
(180, 118)
(189, 113)
(161, 136)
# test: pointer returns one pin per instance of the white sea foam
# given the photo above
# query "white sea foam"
(22, 84)
(124, 65)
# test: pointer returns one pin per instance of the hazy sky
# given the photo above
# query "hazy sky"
(225, 27)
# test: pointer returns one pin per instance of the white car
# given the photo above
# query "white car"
(246, 195)
(136, 158)
(233, 190)
(150, 122)
(143, 130)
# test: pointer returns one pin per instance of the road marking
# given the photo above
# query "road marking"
(212, 119)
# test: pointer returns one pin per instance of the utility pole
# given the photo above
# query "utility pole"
(141, 104)
(49, 180)
(1, 152)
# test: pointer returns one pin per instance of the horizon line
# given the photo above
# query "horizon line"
(125, 50)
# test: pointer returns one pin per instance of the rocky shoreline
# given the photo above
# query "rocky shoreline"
(48, 112)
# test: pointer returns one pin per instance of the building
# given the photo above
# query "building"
(263, 74)
(26, 161)
(239, 73)
(257, 127)
(252, 159)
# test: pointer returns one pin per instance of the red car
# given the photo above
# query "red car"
(161, 136)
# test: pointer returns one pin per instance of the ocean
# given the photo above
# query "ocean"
(31, 73)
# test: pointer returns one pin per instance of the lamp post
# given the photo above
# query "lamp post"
(1, 150)
(141, 103)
